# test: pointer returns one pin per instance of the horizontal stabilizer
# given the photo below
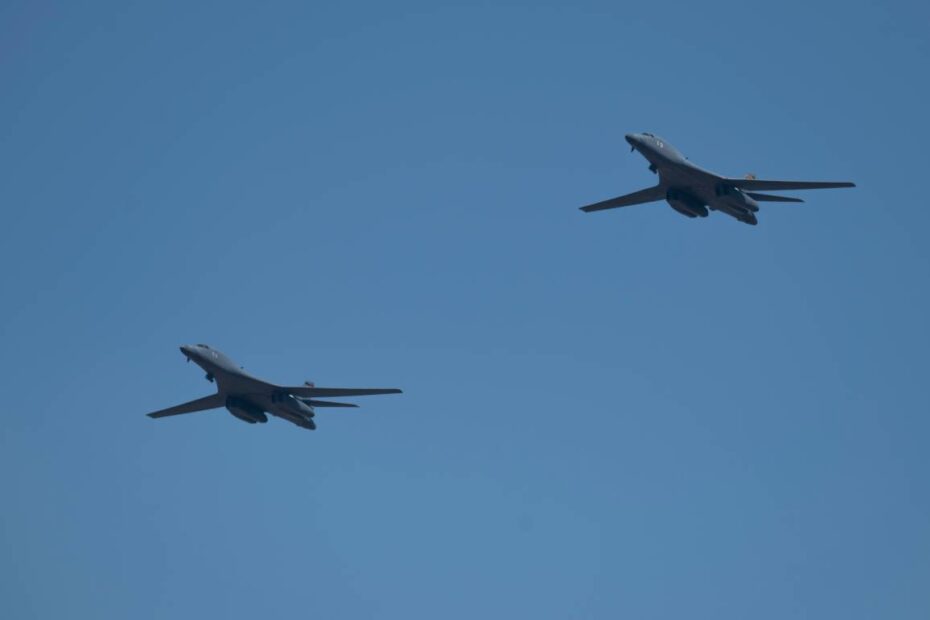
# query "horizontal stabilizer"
(201, 404)
(758, 184)
(650, 194)
(326, 403)
(771, 198)
(322, 392)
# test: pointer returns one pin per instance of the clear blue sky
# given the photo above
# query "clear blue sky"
(619, 415)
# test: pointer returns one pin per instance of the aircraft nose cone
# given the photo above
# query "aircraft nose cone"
(186, 350)
(632, 139)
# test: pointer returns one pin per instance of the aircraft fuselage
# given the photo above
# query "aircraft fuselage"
(247, 397)
(690, 189)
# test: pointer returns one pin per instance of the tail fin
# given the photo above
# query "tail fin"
(771, 198)
(325, 403)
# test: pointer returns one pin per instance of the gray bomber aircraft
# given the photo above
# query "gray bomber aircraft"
(692, 190)
(249, 398)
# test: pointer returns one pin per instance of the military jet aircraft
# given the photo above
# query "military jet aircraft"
(692, 190)
(249, 398)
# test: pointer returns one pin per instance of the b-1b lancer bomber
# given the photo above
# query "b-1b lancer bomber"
(249, 398)
(692, 190)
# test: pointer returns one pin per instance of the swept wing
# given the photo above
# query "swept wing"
(761, 185)
(322, 392)
(650, 194)
(213, 401)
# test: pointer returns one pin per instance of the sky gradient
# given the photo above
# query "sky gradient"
(621, 414)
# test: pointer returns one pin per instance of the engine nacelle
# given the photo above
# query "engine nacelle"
(299, 407)
(245, 411)
(685, 203)
(299, 420)
(290, 404)
(737, 198)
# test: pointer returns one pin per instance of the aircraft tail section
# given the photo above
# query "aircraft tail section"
(771, 198)
(326, 403)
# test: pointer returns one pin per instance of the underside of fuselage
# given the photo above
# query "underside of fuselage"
(250, 399)
(694, 195)
(253, 409)
(691, 204)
